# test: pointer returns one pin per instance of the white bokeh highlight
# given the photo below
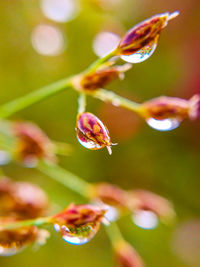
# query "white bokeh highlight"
(48, 40)
(60, 10)
(105, 42)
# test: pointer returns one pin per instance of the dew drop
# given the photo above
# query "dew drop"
(79, 235)
(163, 125)
(145, 219)
(141, 55)
(88, 143)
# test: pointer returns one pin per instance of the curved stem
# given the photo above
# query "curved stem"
(25, 223)
(81, 103)
(34, 97)
(45, 92)
(66, 178)
(116, 100)
(114, 234)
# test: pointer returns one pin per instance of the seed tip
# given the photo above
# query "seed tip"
(173, 15)
(109, 150)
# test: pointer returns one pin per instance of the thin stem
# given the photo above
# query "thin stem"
(116, 100)
(100, 61)
(114, 234)
(16, 105)
(66, 178)
(34, 97)
(81, 103)
(19, 224)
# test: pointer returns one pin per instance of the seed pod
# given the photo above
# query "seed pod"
(147, 201)
(142, 38)
(22, 199)
(78, 224)
(127, 256)
(169, 109)
(101, 77)
(92, 133)
(15, 240)
(32, 144)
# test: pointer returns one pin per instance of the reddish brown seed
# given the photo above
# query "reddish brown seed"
(92, 133)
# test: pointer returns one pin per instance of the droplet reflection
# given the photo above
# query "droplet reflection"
(80, 235)
(141, 55)
(145, 219)
(163, 125)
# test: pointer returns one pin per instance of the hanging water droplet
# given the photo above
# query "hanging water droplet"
(163, 125)
(141, 55)
(79, 235)
(145, 219)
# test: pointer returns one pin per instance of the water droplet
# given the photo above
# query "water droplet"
(145, 219)
(5, 157)
(163, 125)
(79, 235)
(141, 55)
(88, 143)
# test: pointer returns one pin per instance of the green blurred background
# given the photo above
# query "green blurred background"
(165, 163)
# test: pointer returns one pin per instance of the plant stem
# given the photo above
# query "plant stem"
(81, 103)
(34, 97)
(114, 234)
(45, 92)
(66, 178)
(116, 100)
(25, 223)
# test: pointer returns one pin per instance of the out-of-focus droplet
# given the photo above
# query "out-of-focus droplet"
(163, 125)
(145, 219)
(79, 235)
(47, 40)
(60, 10)
(5, 157)
(105, 42)
(112, 214)
(141, 55)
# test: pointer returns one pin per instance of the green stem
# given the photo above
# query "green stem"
(116, 100)
(47, 91)
(25, 223)
(66, 178)
(114, 234)
(81, 103)
(34, 97)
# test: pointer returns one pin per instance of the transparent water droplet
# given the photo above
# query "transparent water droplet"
(141, 55)
(88, 144)
(80, 235)
(145, 219)
(5, 157)
(163, 125)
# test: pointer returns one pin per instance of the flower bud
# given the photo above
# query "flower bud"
(110, 194)
(147, 201)
(127, 256)
(140, 42)
(100, 77)
(15, 240)
(92, 133)
(163, 110)
(22, 199)
(32, 144)
(78, 224)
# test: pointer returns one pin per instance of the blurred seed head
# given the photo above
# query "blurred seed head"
(92, 133)
(23, 200)
(32, 144)
(142, 200)
(14, 241)
(101, 77)
(127, 256)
